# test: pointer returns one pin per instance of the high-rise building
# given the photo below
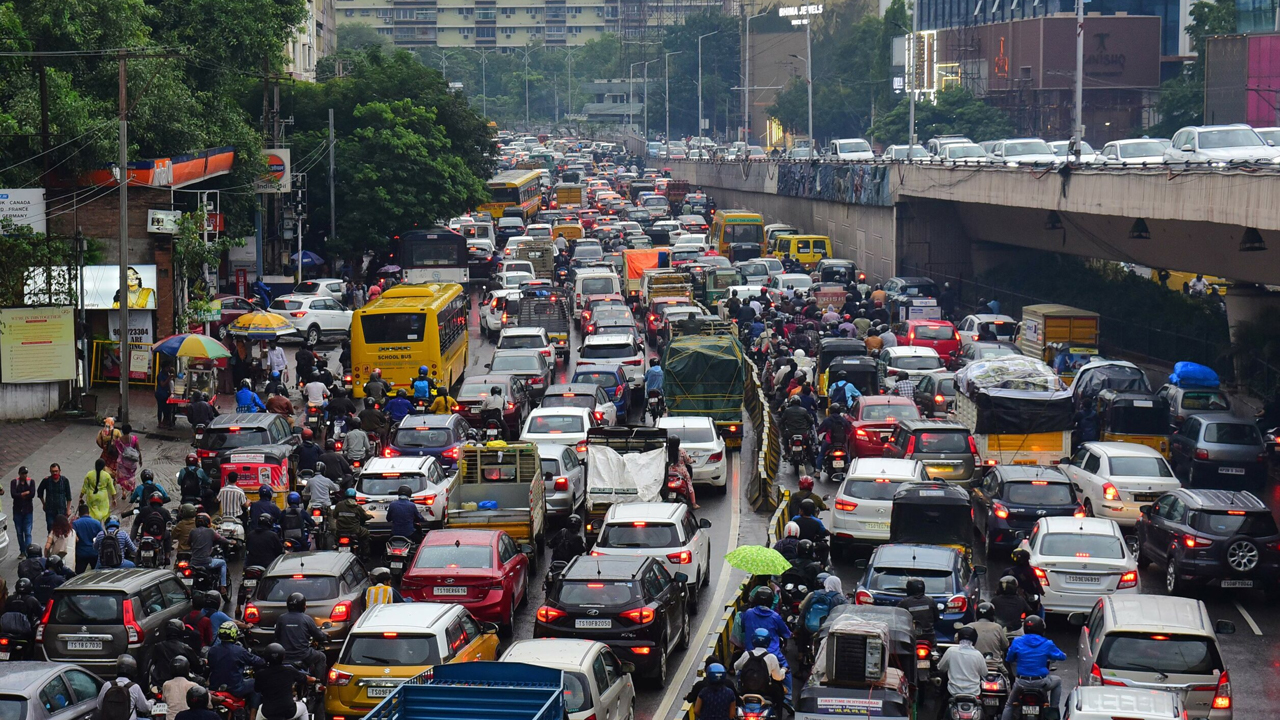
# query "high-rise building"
(315, 38)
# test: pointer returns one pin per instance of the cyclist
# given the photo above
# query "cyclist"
(1030, 656)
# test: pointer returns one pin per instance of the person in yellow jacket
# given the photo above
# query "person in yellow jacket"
(98, 490)
(443, 404)
(381, 592)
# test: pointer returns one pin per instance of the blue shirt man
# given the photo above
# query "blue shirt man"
(248, 401)
(226, 667)
(264, 506)
(398, 408)
(86, 529)
(404, 518)
(143, 492)
(1032, 654)
(843, 392)
(653, 379)
(759, 616)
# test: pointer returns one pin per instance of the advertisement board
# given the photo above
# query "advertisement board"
(278, 178)
(140, 327)
(164, 222)
(101, 286)
(24, 207)
(37, 344)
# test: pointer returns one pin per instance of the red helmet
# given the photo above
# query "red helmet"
(806, 482)
(307, 434)
(192, 459)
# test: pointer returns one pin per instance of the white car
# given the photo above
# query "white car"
(915, 361)
(514, 243)
(965, 153)
(328, 287)
(1115, 479)
(971, 327)
(512, 279)
(1134, 151)
(667, 532)
(800, 281)
(583, 395)
(774, 265)
(314, 316)
(528, 338)
(864, 504)
(539, 230)
(380, 480)
(1219, 144)
(1024, 151)
(559, 425)
(596, 683)
(615, 348)
(493, 310)
(745, 294)
(1062, 148)
(699, 438)
(523, 266)
(1079, 560)
(850, 149)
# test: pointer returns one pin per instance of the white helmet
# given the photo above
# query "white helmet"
(791, 530)
(799, 354)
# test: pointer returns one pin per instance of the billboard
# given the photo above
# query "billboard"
(37, 344)
(278, 178)
(24, 207)
(101, 286)
(164, 222)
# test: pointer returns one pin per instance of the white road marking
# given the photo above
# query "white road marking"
(1247, 618)
(712, 613)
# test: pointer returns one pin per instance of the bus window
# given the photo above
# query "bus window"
(743, 234)
(393, 327)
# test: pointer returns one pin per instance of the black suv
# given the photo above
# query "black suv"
(215, 441)
(1011, 498)
(630, 603)
(945, 447)
(1219, 538)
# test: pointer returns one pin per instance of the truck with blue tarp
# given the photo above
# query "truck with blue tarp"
(477, 691)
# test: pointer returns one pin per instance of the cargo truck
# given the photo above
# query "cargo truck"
(500, 487)
(1018, 411)
(706, 375)
(568, 195)
(624, 465)
(482, 689)
(1049, 331)
(547, 308)
(541, 254)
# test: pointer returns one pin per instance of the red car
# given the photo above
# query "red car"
(940, 335)
(874, 418)
(482, 570)
(232, 307)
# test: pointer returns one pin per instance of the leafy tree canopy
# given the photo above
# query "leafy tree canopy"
(956, 112)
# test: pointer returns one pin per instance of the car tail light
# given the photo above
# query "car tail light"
(251, 614)
(862, 597)
(425, 500)
(1202, 454)
(1080, 512)
(581, 447)
(131, 627)
(337, 677)
(44, 621)
(341, 612)
(298, 313)
(861, 433)
(633, 361)
(684, 557)
(973, 444)
(205, 454)
(1109, 492)
(957, 604)
(846, 505)
(938, 400)
(641, 650)
(620, 389)
(1042, 576)
(1095, 678)
(911, 445)
(1222, 695)
(1000, 510)
(599, 415)
(1193, 541)
(639, 616)
(1129, 579)
(561, 483)
(717, 457)
(535, 381)
(548, 614)
(450, 453)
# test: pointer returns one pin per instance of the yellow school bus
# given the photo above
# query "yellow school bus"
(737, 226)
(514, 189)
(407, 327)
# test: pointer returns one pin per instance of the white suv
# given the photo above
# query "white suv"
(615, 348)
(699, 438)
(664, 531)
(380, 481)
(864, 504)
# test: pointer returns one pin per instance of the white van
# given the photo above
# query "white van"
(593, 281)
(850, 149)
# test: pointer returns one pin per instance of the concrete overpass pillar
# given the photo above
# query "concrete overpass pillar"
(1248, 303)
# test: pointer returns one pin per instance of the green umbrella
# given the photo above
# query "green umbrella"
(758, 560)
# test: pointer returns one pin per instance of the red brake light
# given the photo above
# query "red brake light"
(862, 597)
(1222, 696)
(132, 628)
(425, 500)
(844, 505)
(1129, 579)
(639, 616)
(957, 604)
(451, 453)
(599, 415)
(641, 650)
(1000, 510)
(337, 677)
(548, 614)
(298, 313)
(684, 557)
(44, 621)
(1109, 492)
(341, 612)
(390, 452)
(1192, 541)
(911, 445)
(1042, 576)
(973, 444)
(938, 400)
(922, 650)
(561, 483)
(860, 433)
(1080, 512)
(1202, 454)
(251, 614)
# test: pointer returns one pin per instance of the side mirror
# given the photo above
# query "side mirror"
(1145, 509)
(1187, 148)
(487, 365)
(489, 628)
(860, 564)
(1078, 619)
(1224, 627)
(626, 667)
(527, 549)
(297, 431)
(680, 577)
(704, 523)
(979, 569)
(1064, 461)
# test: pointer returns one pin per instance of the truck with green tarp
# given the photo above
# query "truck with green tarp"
(706, 376)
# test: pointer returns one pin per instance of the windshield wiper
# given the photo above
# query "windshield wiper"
(379, 660)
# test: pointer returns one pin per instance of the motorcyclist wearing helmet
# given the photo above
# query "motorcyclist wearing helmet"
(127, 678)
(804, 493)
(380, 591)
(786, 546)
(127, 548)
(567, 543)
(55, 573)
(247, 401)
(760, 671)
(964, 665)
(1009, 605)
(403, 515)
(262, 544)
(22, 613)
(172, 648)
(308, 452)
(1028, 583)
(209, 606)
(265, 505)
(761, 615)
(342, 406)
(811, 526)
(202, 540)
(796, 420)
(717, 700)
(181, 694)
(805, 568)
(333, 460)
(154, 520)
(228, 661)
(1030, 655)
(376, 389)
(296, 523)
(923, 609)
(491, 410)
(31, 567)
(193, 481)
(422, 386)
(991, 639)
(276, 681)
(322, 487)
(181, 533)
(295, 630)
(398, 408)
(349, 518)
(141, 495)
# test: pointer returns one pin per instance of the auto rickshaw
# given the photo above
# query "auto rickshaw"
(1134, 417)
(933, 513)
(831, 348)
(719, 280)
(743, 251)
(1067, 359)
(832, 294)
(836, 270)
(872, 669)
(697, 274)
(858, 370)
(258, 465)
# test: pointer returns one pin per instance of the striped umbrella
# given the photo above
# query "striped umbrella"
(191, 345)
(261, 325)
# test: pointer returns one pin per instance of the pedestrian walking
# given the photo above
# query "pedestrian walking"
(164, 390)
(98, 491)
(23, 491)
(86, 528)
(128, 461)
(60, 538)
(106, 440)
(55, 495)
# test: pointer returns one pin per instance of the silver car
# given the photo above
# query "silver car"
(48, 691)
(1219, 144)
(1219, 450)
(566, 479)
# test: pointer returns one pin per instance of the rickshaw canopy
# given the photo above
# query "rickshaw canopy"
(858, 370)
(936, 513)
(830, 348)
(1133, 413)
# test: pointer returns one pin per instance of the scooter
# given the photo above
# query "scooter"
(151, 551)
(995, 687)
(399, 550)
(14, 647)
(799, 453)
(656, 407)
(233, 530)
(1033, 703)
(675, 491)
(964, 707)
(834, 464)
(755, 707)
(248, 585)
(315, 420)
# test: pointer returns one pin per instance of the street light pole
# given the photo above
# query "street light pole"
(666, 97)
(1079, 77)
(631, 93)
(911, 79)
(700, 80)
(746, 79)
(646, 97)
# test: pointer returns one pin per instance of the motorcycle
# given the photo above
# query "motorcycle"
(964, 707)
(789, 604)
(320, 516)
(233, 530)
(562, 275)
(656, 407)
(492, 431)
(248, 585)
(995, 687)
(1031, 702)
(151, 551)
(799, 453)
(227, 706)
(349, 543)
(315, 420)
(200, 579)
(835, 464)
(755, 707)
(14, 647)
(675, 491)
(399, 551)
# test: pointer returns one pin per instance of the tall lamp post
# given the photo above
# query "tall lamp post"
(631, 94)
(700, 80)
(911, 79)
(666, 97)
(1079, 77)
(646, 64)
(746, 78)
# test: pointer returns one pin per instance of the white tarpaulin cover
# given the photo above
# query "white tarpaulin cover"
(615, 478)
(1007, 372)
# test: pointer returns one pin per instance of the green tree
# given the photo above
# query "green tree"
(357, 37)
(956, 112)
(1181, 100)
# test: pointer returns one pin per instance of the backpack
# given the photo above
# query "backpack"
(117, 703)
(109, 553)
(130, 454)
(16, 624)
(819, 609)
(754, 675)
(840, 393)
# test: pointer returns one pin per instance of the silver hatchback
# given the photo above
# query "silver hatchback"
(1219, 450)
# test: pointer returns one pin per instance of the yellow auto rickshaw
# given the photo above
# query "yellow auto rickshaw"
(832, 348)
(933, 513)
(1134, 417)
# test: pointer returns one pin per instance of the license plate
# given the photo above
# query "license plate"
(924, 664)
(1145, 497)
(400, 566)
(378, 692)
(1231, 470)
(250, 583)
(450, 591)
(837, 463)
(84, 644)
(4, 656)
(586, 624)
(148, 553)
(1030, 710)
(187, 581)
(1084, 579)
(159, 710)
(1237, 583)
(940, 468)
(990, 701)
(876, 525)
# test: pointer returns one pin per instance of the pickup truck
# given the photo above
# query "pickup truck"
(541, 254)
(1017, 410)
(624, 465)
(508, 475)
(482, 689)
(547, 308)
(707, 375)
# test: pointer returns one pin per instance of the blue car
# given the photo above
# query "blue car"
(610, 377)
(947, 579)
(438, 436)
